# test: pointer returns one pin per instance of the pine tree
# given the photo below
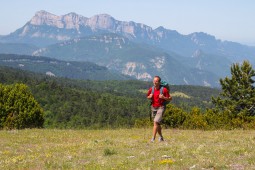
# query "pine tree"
(238, 92)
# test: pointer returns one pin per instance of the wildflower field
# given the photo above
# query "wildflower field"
(126, 149)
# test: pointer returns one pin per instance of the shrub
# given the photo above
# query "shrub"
(143, 123)
(217, 119)
(19, 109)
(174, 117)
(195, 120)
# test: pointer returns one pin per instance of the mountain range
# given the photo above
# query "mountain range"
(130, 48)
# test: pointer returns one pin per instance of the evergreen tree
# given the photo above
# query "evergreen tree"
(18, 108)
(238, 93)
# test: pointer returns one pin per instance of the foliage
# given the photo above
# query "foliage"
(143, 123)
(18, 108)
(174, 117)
(111, 104)
(217, 120)
(70, 69)
(238, 92)
(98, 104)
(195, 120)
(193, 96)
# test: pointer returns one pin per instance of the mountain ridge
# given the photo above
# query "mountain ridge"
(198, 51)
(45, 29)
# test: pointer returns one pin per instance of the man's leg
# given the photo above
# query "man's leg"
(159, 130)
(160, 133)
(159, 116)
(155, 130)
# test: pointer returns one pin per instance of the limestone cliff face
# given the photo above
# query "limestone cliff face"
(72, 25)
(69, 21)
(45, 18)
(45, 29)
(102, 21)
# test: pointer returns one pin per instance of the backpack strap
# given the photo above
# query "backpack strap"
(152, 90)
(161, 92)
(161, 89)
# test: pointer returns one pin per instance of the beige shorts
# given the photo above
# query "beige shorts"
(157, 113)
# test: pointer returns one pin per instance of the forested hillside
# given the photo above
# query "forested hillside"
(59, 68)
(78, 103)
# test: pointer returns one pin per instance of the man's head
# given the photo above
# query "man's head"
(156, 81)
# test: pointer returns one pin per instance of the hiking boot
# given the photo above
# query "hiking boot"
(161, 139)
(152, 140)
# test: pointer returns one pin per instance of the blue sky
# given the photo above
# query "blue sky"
(230, 20)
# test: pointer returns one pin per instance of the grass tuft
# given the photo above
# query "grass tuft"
(108, 152)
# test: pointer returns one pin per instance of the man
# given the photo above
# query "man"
(158, 106)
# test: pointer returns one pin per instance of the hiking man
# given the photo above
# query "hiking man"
(157, 105)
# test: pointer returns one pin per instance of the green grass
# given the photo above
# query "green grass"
(126, 149)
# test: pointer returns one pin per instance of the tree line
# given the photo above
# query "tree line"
(66, 103)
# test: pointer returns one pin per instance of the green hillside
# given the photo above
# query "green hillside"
(71, 103)
(58, 68)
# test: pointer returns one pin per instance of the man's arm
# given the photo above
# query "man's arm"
(149, 94)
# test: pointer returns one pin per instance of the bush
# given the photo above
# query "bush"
(143, 123)
(218, 120)
(174, 117)
(19, 109)
(242, 121)
(195, 120)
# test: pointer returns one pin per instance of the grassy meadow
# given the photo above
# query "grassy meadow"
(126, 149)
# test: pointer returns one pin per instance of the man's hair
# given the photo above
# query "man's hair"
(158, 78)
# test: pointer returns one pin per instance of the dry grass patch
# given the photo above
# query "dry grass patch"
(180, 94)
(126, 149)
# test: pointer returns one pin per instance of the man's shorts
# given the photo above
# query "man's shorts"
(157, 113)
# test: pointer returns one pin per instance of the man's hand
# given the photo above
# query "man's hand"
(161, 96)
(170, 98)
(150, 96)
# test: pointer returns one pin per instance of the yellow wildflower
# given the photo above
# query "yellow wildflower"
(166, 161)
